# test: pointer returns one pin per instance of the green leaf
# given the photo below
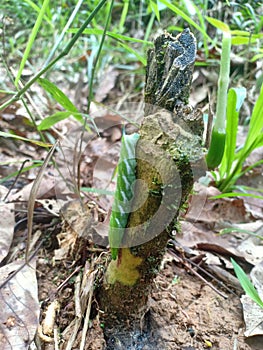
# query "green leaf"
(255, 136)
(218, 24)
(256, 121)
(51, 120)
(243, 33)
(216, 149)
(38, 9)
(256, 57)
(237, 229)
(246, 284)
(96, 31)
(240, 32)
(61, 98)
(36, 164)
(231, 132)
(249, 188)
(223, 82)
(57, 94)
(140, 58)
(259, 141)
(155, 9)
(39, 143)
(243, 154)
(31, 40)
(234, 102)
(125, 8)
(188, 19)
(241, 40)
(236, 194)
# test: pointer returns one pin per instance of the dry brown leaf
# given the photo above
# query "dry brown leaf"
(106, 84)
(211, 211)
(45, 190)
(77, 223)
(7, 224)
(253, 316)
(252, 248)
(19, 306)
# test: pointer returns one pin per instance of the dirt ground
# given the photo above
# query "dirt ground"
(184, 314)
(190, 315)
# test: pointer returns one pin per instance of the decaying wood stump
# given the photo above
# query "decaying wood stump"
(169, 157)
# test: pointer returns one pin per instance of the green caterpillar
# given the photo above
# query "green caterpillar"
(123, 193)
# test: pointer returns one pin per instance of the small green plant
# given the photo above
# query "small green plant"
(246, 284)
(223, 152)
(231, 166)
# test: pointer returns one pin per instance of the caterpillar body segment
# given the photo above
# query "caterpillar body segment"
(124, 192)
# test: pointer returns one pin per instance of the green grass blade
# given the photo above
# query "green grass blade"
(237, 229)
(148, 30)
(124, 15)
(35, 142)
(188, 19)
(155, 9)
(236, 194)
(248, 188)
(217, 146)
(248, 287)
(63, 100)
(96, 31)
(203, 26)
(58, 95)
(61, 36)
(31, 40)
(37, 163)
(51, 120)
(256, 121)
(218, 24)
(241, 40)
(140, 58)
(231, 132)
(245, 151)
(96, 60)
(234, 102)
(246, 33)
(38, 9)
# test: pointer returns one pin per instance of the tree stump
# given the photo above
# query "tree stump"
(169, 158)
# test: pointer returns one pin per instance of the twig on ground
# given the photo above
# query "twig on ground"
(32, 199)
(186, 263)
(86, 321)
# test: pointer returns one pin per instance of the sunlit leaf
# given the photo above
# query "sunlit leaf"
(39, 143)
(241, 40)
(218, 24)
(246, 284)
(51, 120)
(60, 97)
